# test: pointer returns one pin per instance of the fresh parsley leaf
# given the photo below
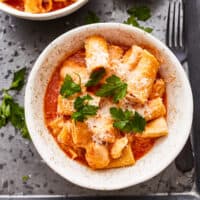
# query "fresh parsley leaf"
(113, 87)
(132, 21)
(87, 110)
(95, 77)
(17, 118)
(4, 109)
(18, 80)
(79, 102)
(142, 13)
(25, 178)
(138, 123)
(147, 29)
(126, 121)
(13, 112)
(83, 109)
(69, 87)
(91, 18)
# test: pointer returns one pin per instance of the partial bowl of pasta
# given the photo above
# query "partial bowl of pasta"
(40, 9)
(108, 106)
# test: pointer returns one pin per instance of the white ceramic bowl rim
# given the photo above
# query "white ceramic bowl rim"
(43, 16)
(164, 162)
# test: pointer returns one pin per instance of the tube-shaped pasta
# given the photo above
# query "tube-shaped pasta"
(97, 156)
(81, 135)
(118, 147)
(141, 79)
(132, 56)
(154, 129)
(96, 53)
(65, 137)
(126, 159)
(153, 109)
(158, 89)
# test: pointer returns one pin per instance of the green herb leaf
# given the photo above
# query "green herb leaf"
(138, 123)
(83, 109)
(132, 21)
(3, 120)
(13, 112)
(95, 77)
(91, 18)
(141, 12)
(126, 121)
(147, 29)
(79, 102)
(82, 114)
(25, 178)
(17, 118)
(113, 87)
(69, 87)
(18, 80)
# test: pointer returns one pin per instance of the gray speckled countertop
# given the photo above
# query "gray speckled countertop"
(21, 42)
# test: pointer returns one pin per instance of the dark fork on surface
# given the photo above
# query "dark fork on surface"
(175, 41)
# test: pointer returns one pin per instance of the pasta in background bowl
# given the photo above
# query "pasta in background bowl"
(40, 9)
(179, 117)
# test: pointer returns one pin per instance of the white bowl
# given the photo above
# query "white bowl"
(43, 16)
(179, 106)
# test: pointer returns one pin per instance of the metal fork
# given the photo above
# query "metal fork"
(175, 30)
(176, 42)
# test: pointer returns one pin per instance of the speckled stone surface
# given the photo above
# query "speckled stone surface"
(21, 42)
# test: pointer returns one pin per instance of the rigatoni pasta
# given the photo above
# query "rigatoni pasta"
(110, 109)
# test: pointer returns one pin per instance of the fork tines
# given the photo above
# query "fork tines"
(175, 24)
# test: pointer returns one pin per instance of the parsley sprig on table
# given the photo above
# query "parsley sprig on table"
(18, 80)
(83, 109)
(69, 87)
(141, 13)
(113, 87)
(95, 77)
(25, 178)
(127, 121)
(91, 18)
(10, 111)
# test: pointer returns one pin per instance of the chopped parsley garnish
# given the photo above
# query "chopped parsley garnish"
(25, 178)
(18, 80)
(10, 111)
(127, 121)
(113, 87)
(13, 112)
(69, 87)
(83, 109)
(142, 13)
(91, 18)
(95, 77)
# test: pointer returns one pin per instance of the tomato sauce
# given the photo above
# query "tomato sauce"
(19, 4)
(51, 96)
(140, 146)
